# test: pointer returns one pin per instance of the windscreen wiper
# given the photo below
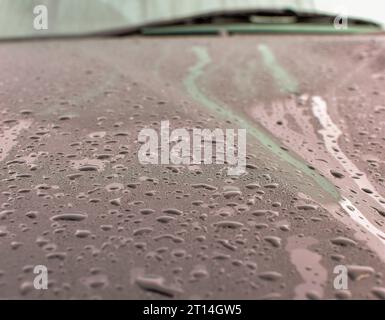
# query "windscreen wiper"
(251, 21)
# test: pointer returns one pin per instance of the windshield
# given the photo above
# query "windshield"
(28, 18)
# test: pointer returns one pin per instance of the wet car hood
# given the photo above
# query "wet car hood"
(75, 198)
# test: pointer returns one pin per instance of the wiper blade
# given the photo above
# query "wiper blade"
(234, 20)
(224, 21)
